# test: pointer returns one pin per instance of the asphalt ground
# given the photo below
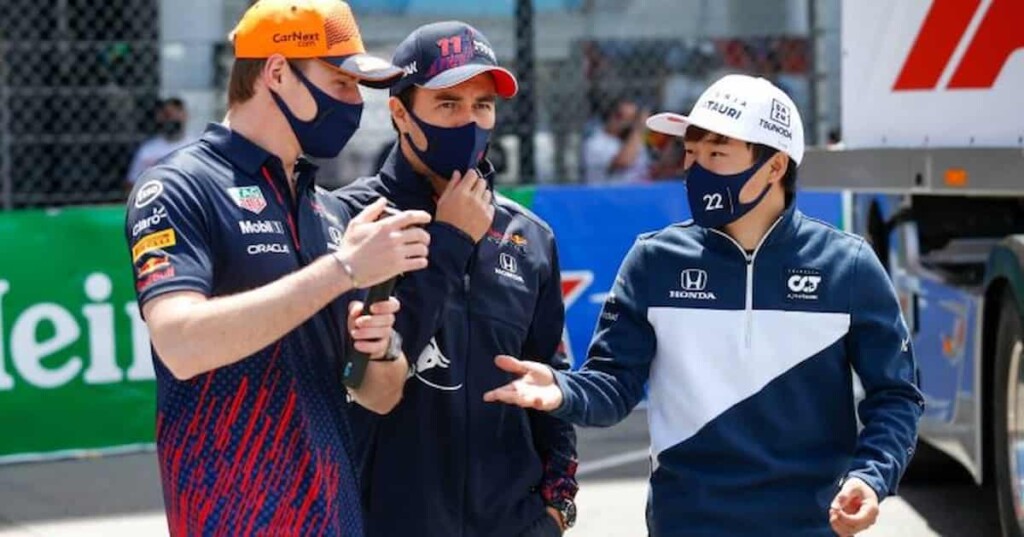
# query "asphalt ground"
(119, 496)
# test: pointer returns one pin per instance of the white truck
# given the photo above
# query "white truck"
(933, 153)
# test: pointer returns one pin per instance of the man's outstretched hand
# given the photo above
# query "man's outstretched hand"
(535, 388)
(854, 509)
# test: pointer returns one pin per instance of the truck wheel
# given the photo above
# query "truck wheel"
(1008, 418)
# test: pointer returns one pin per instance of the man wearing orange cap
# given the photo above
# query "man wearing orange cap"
(245, 274)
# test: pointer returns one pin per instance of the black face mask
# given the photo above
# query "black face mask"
(325, 135)
(451, 149)
(715, 198)
(171, 128)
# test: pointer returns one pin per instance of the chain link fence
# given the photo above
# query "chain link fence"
(81, 81)
(78, 80)
(598, 112)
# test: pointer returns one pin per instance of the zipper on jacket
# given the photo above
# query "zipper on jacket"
(467, 287)
(748, 325)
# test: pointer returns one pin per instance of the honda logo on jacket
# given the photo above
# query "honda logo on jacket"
(509, 268)
(695, 280)
(508, 263)
(694, 283)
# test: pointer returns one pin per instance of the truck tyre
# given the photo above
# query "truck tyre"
(1008, 418)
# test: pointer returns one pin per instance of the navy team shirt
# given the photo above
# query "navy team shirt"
(260, 446)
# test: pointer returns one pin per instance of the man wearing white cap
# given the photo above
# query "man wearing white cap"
(747, 323)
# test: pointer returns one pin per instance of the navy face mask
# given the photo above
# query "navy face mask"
(333, 126)
(451, 149)
(715, 199)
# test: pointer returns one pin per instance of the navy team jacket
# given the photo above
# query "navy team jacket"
(750, 359)
(444, 463)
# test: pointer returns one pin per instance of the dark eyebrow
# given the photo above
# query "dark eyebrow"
(718, 139)
(487, 99)
(448, 96)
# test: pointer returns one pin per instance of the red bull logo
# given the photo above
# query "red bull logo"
(154, 264)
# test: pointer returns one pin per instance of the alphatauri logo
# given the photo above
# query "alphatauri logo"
(803, 284)
(948, 27)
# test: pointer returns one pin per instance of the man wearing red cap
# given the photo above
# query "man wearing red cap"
(245, 274)
(443, 463)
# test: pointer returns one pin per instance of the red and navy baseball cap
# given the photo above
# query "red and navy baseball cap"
(445, 54)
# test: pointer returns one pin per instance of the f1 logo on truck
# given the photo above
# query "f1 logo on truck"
(986, 51)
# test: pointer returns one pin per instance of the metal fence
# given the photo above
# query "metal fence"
(80, 80)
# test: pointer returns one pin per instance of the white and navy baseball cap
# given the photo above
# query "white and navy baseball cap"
(745, 108)
(446, 54)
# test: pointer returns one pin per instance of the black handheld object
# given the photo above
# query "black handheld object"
(355, 366)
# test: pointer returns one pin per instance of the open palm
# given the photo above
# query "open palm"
(535, 388)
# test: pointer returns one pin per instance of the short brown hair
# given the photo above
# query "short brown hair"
(245, 73)
(242, 83)
(696, 134)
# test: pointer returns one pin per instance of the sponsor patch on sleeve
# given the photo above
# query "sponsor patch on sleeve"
(144, 282)
(154, 241)
(154, 264)
(147, 193)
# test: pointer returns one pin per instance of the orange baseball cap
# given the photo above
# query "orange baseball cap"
(304, 29)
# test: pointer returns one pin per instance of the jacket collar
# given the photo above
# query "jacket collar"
(242, 152)
(412, 190)
(250, 158)
(784, 227)
(407, 188)
(787, 225)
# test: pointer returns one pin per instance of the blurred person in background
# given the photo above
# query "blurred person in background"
(835, 139)
(246, 275)
(444, 463)
(669, 157)
(748, 323)
(171, 121)
(616, 153)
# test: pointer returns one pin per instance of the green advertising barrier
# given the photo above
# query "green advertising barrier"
(75, 367)
(76, 370)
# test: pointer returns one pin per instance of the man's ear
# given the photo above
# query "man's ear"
(777, 166)
(275, 70)
(399, 114)
(405, 125)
